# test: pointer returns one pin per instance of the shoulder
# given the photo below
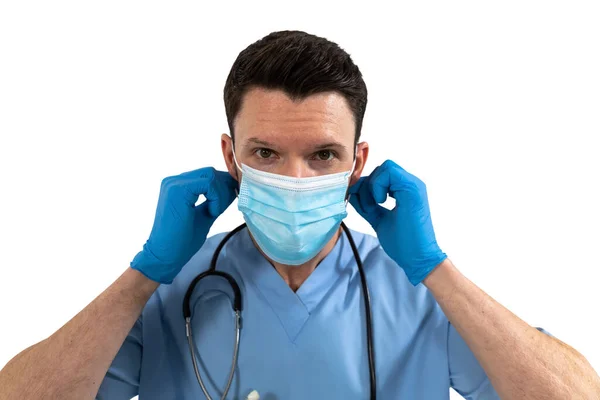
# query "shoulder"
(175, 292)
(375, 260)
(386, 278)
(200, 261)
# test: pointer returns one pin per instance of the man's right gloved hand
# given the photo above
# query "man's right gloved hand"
(180, 227)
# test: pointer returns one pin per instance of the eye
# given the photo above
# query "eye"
(264, 153)
(325, 155)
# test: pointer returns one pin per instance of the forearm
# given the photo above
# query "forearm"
(72, 362)
(521, 362)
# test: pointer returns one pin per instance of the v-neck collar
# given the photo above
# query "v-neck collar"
(293, 309)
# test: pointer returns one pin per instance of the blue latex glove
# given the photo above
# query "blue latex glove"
(406, 232)
(180, 227)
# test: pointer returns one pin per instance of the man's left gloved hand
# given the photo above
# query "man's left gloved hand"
(406, 232)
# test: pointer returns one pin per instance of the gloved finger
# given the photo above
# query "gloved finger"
(363, 202)
(361, 196)
(390, 180)
(197, 174)
(361, 181)
(217, 186)
(354, 200)
(221, 193)
(380, 183)
(354, 189)
(368, 202)
(194, 183)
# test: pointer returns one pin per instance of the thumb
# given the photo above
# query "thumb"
(363, 202)
(220, 193)
(371, 217)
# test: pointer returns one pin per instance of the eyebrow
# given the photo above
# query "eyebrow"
(330, 145)
(317, 147)
(258, 141)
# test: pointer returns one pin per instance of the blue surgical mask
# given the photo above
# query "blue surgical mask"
(292, 219)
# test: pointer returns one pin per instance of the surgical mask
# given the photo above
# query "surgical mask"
(292, 219)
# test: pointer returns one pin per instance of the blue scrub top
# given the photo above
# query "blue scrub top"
(310, 344)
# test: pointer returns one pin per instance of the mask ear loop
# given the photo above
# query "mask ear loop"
(237, 193)
(350, 176)
(235, 160)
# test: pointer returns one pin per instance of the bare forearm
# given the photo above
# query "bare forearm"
(521, 362)
(72, 362)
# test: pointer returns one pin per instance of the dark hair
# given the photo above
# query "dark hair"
(300, 64)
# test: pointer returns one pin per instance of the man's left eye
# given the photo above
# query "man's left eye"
(325, 155)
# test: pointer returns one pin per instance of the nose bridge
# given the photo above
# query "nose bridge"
(296, 166)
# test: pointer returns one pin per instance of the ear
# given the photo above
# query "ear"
(362, 153)
(227, 149)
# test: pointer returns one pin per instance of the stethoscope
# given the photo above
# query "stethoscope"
(237, 309)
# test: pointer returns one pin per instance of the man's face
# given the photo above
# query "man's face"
(300, 139)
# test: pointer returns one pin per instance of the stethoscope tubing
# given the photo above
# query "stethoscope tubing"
(237, 309)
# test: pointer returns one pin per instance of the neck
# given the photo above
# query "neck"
(295, 275)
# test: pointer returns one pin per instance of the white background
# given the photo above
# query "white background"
(494, 105)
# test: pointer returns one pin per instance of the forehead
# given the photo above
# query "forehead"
(271, 115)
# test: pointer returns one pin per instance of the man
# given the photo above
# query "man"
(295, 104)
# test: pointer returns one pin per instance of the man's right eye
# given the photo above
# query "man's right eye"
(264, 153)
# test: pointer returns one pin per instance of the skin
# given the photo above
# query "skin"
(277, 135)
(521, 362)
(72, 363)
